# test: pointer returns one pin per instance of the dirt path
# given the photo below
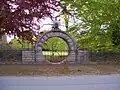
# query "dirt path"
(58, 70)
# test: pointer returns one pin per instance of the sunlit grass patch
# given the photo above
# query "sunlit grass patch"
(55, 53)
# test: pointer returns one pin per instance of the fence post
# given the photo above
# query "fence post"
(76, 56)
(35, 55)
(21, 57)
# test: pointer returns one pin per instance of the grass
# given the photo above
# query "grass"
(58, 70)
(58, 53)
(55, 57)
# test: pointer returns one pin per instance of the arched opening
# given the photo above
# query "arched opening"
(52, 55)
(55, 50)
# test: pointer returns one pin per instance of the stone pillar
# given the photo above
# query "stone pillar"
(28, 57)
(71, 59)
(40, 59)
(83, 57)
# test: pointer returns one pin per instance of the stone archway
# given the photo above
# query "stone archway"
(61, 34)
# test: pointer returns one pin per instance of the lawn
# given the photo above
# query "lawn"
(58, 70)
(57, 53)
(55, 56)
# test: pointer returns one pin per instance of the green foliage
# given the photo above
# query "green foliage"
(99, 22)
(55, 44)
(18, 43)
(116, 33)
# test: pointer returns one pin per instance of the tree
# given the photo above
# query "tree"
(116, 33)
(18, 43)
(55, 44)
(99, 19)
(17, 16)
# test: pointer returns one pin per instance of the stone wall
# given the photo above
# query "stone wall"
(36, 57)
(83, 56)
(28, 57)
(104, 57)
(75, 57)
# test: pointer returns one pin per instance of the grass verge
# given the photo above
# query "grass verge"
(58, 70)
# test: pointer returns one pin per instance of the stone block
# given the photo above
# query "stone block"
(27, 56)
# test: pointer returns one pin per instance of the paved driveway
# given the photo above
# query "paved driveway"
(105, 82)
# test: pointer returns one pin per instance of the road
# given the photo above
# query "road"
(93, 82)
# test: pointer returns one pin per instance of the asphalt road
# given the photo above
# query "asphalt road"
(93, 82)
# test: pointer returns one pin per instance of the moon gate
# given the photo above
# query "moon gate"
(60, 34)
